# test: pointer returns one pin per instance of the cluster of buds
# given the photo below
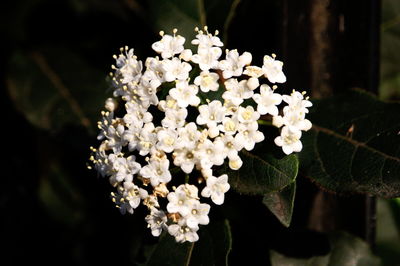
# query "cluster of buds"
(184, 114)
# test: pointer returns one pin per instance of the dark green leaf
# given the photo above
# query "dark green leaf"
(55, 88)
(354, 145)
(170, 14)
(346, 250)
(213, 248)
(261, 174)
(281, 203)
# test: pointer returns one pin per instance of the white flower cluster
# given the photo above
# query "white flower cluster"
(170, 137)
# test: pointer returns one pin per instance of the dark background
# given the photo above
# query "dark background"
(55, 57)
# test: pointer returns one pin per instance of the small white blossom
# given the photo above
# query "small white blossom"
(169, 45)
(157, 221)
(233, 65)
(166, 140)
(207, 40)
(175, 69)
(185, 94)
(157, 171)
(210, 153)
(174, 118)
(253, 71)
(188, 136)
(136, 115)
(198, 214)
(273, 70)
(247, 115)
(182, 199)
(249, 135)
(236, 92)
(182, 232)
(235, 162)
(207, 81)
(216, 188)
(128, 197)
(210, 115)
(147, 139)
(267, 100)
(289, 140)
(186, 55)
(128, 68)
(207, 58)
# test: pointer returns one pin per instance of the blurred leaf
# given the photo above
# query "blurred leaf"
(60, 197)
(354, 145)
(220, 14)
(387, 231)
(56, 88)
(212, 248)
(261, 174)
(346, 250)
(170, 14)
(281, 203)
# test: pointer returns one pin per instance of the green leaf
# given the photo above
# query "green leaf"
(346, 250)
(213, 248)
(55, 87)
(281, 203)
(169, 14)
(354, 145)
(261, 174)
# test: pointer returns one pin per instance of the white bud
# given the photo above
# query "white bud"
(111, 104)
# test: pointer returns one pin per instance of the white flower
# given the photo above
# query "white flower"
(174, 69)
(235, 162)
(216, 188)
(146, 95)
(128, 197)
(166, 140)
(273, 70)
(198, 214)
(185, 94)
(185, 158)
(236, 92)
(174, 118)
(147, 139)
(181, 200)
(169, 45)
(289, 140)
(231, 145)
(128, 69)
(294, 119)
(156, 221)
(253, 83)
(131, 136)
(188, 136)
(229, 126)
(207, 81)
(210, 153)
(267, 101)
(210, 115)
(157, 171)
(182, 232)
(136, 115)
(249, 135)
(247, 115)
(186, 55)
(207, 58)
(168, 103)
(206, 40)
(233, 64)
(253, 71)
(123, 168)
(297, 102)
